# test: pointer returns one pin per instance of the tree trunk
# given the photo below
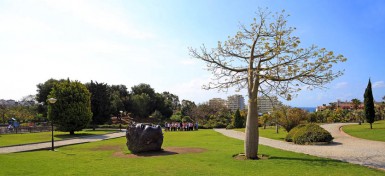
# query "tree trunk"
(252, 134)
(371, 127)
(276, 128)
(72, 132)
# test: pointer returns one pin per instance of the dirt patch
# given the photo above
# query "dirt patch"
(242, 156)
(165, 152)
(108, 147)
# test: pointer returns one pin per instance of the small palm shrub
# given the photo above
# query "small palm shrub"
(310, 134)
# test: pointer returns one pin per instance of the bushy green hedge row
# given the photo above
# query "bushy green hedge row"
(308, 134)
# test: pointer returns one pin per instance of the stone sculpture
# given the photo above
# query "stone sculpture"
(144, 137)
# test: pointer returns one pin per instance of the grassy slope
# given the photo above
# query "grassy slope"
(86, 159)
(25, 138)
(269, 132)
(364, 131)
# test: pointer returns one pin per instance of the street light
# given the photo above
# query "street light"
(120, 120)
(52, 101)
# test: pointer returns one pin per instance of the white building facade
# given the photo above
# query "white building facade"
(235, 102)
(266, 104)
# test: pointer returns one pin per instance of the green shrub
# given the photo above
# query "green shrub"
(230, 126)
(311, 133)
(219, 125)
(292, 132)
(238, 120)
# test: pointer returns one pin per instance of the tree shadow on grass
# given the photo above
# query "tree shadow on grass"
(334, 143)
(67, 136)
(156, 153)
(315, 161)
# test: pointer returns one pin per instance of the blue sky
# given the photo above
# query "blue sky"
(132, 42)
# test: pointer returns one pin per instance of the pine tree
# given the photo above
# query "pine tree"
(238, 120)
(369, 104)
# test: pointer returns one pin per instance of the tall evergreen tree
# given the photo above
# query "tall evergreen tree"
(369, 105)
(101, 105)
(238, 120)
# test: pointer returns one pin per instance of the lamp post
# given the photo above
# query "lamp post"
(120, 120)
(51, 101)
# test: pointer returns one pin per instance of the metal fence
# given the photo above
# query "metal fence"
(24, 129)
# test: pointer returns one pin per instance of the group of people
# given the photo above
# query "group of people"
(180, 126)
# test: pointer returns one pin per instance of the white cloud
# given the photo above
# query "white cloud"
(378, 84)
(101, 16)
(341, 85)
(22, 25)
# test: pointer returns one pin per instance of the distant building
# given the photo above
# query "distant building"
(347, 105)
(235, 102)
(217, 102)
(266, 104)
(8, 102)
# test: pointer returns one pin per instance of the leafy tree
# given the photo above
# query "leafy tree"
(177, 117)
(3, 110)
(156, 115)
(187, 107)
(141, 104)
(101, 105)
(164, 106)
(187, 119)
(43, 91)
(72, 110)
(265, 58)
(238, 120)
(143, 89)
(21, 113)
(212, 116)
(172, 99)
(288, 117)
(356, 103)
(369, 105)
(120, 99)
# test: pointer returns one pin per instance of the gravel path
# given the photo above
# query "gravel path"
(47, 145)
(344, 147)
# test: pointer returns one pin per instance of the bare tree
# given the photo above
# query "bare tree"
(266, 59)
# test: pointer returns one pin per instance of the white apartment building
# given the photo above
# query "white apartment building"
(235, 102)
(266, 104)
(217, 102)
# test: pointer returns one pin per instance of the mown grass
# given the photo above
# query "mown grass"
(269, 132)
(363, 131)
(27, 138)
(88, 159)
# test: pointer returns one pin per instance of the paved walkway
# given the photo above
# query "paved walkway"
(344, 147)
(47, 145)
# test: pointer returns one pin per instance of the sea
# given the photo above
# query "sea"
(308, 109)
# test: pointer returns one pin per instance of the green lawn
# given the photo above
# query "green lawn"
(364, 131)
(89, 159)
(26, 138)
(269, 132)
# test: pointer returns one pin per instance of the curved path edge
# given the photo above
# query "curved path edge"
(344, 147)
(47, 145)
